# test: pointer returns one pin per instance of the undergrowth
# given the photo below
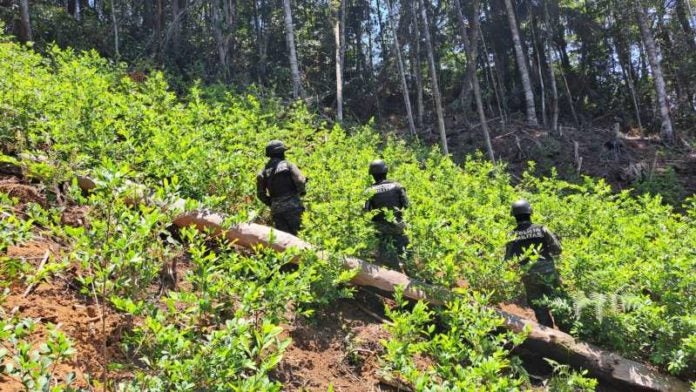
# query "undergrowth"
(628, 261)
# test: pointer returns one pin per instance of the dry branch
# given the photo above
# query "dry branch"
(33, 285)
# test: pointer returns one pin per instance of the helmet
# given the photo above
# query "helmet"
(378, 166)
(521, 207)
(275, 147)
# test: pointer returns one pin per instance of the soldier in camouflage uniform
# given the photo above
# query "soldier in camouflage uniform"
(540, 279)
(388, 196)
(279, 185)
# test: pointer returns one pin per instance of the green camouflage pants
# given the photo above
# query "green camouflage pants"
(541, 280)
(392, 246)
(288, 221)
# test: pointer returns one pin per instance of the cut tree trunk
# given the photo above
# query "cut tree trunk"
(660, 89)
(522, 65)
(433, 78)
(290, 40)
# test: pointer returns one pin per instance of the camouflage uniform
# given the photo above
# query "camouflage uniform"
(389, 195)
(540, 279)
(279, 185)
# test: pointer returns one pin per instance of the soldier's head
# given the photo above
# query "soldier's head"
(378, 169)
(521, 210)
(276, 149)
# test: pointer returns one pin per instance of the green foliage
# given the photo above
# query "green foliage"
(232, 338)
(35, 365)
(666, 184)
(82, 114)
(565, 379)
(466, 354)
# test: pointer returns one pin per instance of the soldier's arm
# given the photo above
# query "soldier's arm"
(261, 189)
(299, 180)
(508, 251)
(403, 199)
(552, 242)
(368, 204)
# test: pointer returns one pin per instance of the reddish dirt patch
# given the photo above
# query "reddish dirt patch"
(25, 193)
(340, 347)
(33, 250)
(517, 310)
(75, 216)
(79, 319)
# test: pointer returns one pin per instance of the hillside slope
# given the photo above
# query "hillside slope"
(626, 261)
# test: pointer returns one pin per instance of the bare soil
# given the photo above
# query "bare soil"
(622, 159)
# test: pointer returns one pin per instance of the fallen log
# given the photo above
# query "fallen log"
(554, 344)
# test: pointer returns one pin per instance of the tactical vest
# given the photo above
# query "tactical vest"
(530, 235)
(279, 179)
(387, 195)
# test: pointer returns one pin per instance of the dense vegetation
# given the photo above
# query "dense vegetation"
(627, 261)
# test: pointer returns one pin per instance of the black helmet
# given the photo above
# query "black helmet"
(275, 147)
(521, 207)
(378, 166)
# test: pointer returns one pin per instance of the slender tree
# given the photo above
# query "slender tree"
(290, 40)
(25, 22)
(402, 75)
(470, 42)
(416, 63)
(522, 65)
(552, 77)
(114, 21)
(340, 38)
(223, 24)
(433, 78)
(660, 89)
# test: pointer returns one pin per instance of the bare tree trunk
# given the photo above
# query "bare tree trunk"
(552, 77)
(223, 20)
(114, 21)
(569, 95)
(632, 88)
(660, 89)
(402, 75)
(175, 27)
(416, 59)
(540, 74)
(554, 90)
(78, 10)
(371, 62)
(522, 65)
(339, 35)
(290, 40)
(684, 22)
(471, 47)
(492, 80)
(25, 22)
(433, 78)
(261, 40)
